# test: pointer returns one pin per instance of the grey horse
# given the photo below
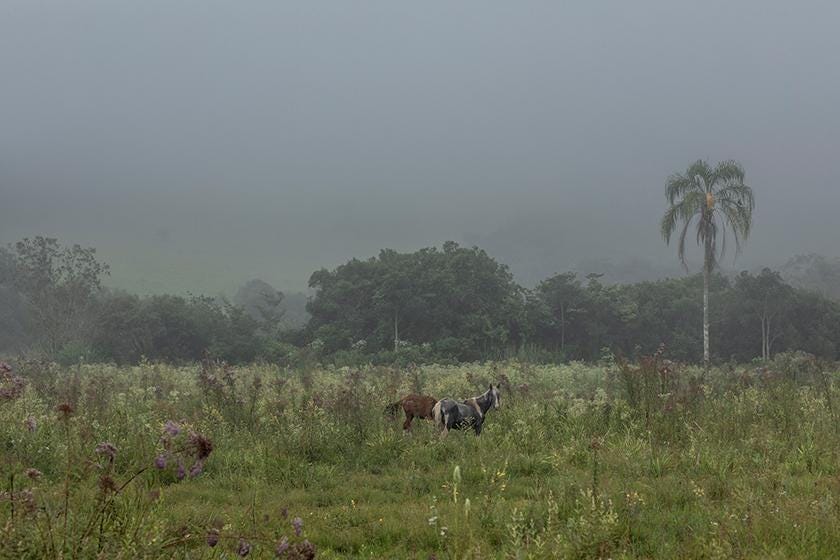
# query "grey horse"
(450, 414)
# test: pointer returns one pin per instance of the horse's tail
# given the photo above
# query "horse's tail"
(392, 409)
(437, 415)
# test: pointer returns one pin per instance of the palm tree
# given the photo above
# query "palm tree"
(720, 201)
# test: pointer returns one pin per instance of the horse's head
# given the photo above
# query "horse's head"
(495, 396)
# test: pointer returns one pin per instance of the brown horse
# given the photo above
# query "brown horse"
(419, 406)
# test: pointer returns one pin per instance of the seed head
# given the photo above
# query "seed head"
(244, 548)
(107, 484)
(33, 474)
(305, 550)
(31, 424)
(212, 537)
(65, 410)
(200, 445)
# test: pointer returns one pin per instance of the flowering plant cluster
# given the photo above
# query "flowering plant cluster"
(182, 447)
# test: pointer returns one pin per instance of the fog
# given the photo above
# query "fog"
(201, 144)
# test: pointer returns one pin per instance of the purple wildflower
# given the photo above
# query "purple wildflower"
(244, 548)
(108, 449)
(181, 472)
(160, 462)
(196, 469)
(282, 547)
(297, 523)
(171, 428)
(33, 474)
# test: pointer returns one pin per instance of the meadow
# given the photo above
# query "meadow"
(606, 460)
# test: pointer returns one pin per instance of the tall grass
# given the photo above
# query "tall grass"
(582, 461)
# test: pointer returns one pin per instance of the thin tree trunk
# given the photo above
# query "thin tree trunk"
(707, 269)
(769, 337)
(396, 333)
(562, 328)
(763, 339)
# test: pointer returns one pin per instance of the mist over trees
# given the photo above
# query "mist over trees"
(442, 304)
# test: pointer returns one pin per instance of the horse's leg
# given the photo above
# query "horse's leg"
(408, 418)
(445, 426)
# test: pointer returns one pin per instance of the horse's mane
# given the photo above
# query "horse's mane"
(474, 403)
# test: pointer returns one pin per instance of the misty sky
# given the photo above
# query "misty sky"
(198, 144)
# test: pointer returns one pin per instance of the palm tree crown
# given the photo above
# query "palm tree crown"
(716, 199)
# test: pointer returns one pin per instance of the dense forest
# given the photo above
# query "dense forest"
(447, 304)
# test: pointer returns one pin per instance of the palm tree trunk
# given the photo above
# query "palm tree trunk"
(707, 269)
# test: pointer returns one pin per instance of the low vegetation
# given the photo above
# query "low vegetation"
(611, 460)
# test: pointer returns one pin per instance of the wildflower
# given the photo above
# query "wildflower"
(108, 449)
(297, 523)
(196, 469)
(31, 424)
(171, 428)
(160, 462)
(33, 474)
(244, 548)
(5, 368)
(212, 537)
(181, 473)
(284, 513)
(456, 474)
(282, 547)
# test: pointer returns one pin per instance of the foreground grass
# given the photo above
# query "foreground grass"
(580, 462)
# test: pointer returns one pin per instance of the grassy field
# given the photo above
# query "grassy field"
(581, 461)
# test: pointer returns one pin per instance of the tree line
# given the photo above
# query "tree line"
(444, 304)
(452, 303)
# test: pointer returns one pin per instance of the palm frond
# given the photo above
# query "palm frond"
(681, 244)
(701, 170)
(728, 172)
(677, 186)
(703, 189)
(669, 223)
